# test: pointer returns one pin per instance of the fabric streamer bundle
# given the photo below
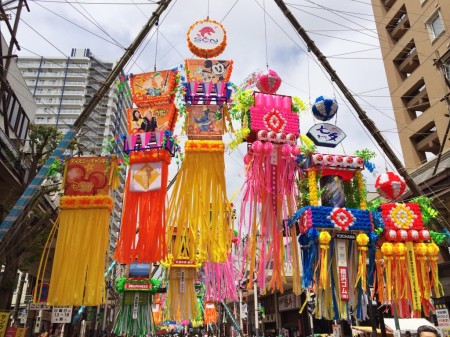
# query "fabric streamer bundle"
(79, 262)
(219, 281)
(269, 193)
(135, 316)
(199, 213)
(408, 273)
(334, 237)
(150, 146)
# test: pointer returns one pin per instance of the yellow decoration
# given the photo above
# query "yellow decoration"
(362, 240)
(296, 277)
(414, 276)
(361, 190)
(387, 249)
(324, 238)
(312, 184)
(401, 289)
(81, 247)
(403, 216)
(181, 301)
(433, 252)
(199, 211)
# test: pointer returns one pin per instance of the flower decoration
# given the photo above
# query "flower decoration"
(402, 216)
(342, 218)
(274, 121)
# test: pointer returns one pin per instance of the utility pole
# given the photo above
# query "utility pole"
(70, 135)
(367, 122)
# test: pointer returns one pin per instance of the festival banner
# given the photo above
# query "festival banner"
(151, 118)
(152, 88)
(214, 71)
(205, 121)
(87, 176)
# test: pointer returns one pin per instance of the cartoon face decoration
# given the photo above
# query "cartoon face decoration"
(208, 70)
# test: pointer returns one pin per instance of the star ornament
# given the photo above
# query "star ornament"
(274, 121)
(342, 218)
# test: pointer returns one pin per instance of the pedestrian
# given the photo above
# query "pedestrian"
(427, 331)
(407, 333)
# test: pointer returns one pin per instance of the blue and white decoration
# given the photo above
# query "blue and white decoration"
(324, 108)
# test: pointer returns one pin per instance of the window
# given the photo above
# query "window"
(435, 26)
(447, 69)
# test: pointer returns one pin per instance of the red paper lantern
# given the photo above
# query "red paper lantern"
(413, 235)
(268, 82)
(390, 185)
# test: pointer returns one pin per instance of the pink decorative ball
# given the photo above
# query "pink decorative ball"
(262, 135)
(268, 147)
(257, 147)
(268, 82)
(390, 185)
(286, 150)
(296, 150)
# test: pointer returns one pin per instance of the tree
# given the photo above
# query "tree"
(28, 234)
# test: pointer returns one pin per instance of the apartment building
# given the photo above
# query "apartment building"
(414, 38)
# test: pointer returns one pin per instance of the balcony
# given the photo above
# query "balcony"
(399, 24)
(388, 3)
(409, 63)
(419, 102)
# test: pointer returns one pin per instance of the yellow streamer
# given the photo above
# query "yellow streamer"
(79, 261)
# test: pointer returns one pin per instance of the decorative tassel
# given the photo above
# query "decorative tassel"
(210, 314)
(433, 252)
(219, 281)
(362, 240)
(380, 281)
(388, 249)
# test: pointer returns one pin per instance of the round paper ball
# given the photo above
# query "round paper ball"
(390, 185)
(324, 108)
(268, 81)
(413, 235)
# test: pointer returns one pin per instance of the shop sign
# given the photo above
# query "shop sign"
(442, 316)
(288, 302)
(61, 314)
(4, 317)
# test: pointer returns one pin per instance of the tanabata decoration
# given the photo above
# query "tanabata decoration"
(150, 146)
(219, 281)
(207, 38)
(207, 81)
(134, 317)
(210, 314)
(181, 301)
(408, 277)
(269, 192)
(390, 185)
(268, 81)
(79, 261)
(324, 108)
(152, 88)
(335, 235)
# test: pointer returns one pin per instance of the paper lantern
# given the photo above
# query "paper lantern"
(324, 108)
(390, 185)
(268, 82)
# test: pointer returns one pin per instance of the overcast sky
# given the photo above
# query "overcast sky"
(255, 37)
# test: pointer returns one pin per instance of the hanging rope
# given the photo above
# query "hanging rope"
(156, 47)
(265, 34)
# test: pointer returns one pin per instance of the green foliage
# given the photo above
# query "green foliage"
(298, 105)
(241, 102)
(426, 208)
(365, 154)
(374, 204)
(350, 200)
